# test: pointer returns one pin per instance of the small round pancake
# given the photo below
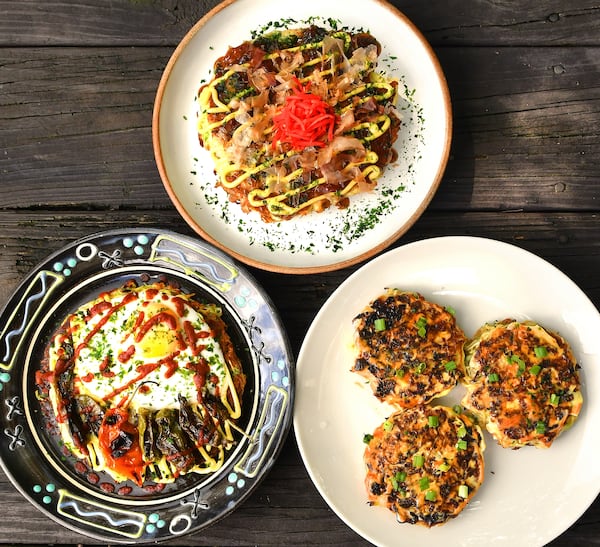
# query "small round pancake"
(522, 382)
(411, 350)
(424, 464)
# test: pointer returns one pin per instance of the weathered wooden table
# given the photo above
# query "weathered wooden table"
(77, 85)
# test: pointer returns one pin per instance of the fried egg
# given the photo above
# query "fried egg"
(408, 348)
(424, 464)
(141, 343)
(522, 382)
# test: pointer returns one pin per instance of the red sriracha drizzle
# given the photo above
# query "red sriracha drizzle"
(304, 120)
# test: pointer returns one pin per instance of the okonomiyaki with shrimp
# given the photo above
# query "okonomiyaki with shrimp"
(145, 384)
(424, 464)
(522, 382)
(410, 350)
(299, 120)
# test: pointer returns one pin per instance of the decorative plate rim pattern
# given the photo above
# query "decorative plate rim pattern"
(104, 259)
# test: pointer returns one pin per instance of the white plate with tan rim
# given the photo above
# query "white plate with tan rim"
(320, 241)
(529, 496)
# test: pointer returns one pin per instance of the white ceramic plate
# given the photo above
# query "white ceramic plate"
(529, 496)
(317, 242)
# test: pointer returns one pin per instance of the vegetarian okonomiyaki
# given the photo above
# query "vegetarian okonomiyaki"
(522, 383)
(424, 464)
(299, 120)
(145, 384)
(408, 348)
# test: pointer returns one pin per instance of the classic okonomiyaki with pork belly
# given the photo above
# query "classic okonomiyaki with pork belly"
(408, 348)
(299, 120)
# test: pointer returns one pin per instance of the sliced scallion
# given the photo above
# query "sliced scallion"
(463, 491)
(433, 421)
(554, 399)
(493, 377)
(535, 370)
(424, 483)
(540, 351)
(450, 366)
(461, 445)
(540, 428)
(380, 324)
(418, 460)
(431, 495)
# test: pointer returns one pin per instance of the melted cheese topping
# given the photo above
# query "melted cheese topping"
(410, 349)
(522, 382)
(424, 464)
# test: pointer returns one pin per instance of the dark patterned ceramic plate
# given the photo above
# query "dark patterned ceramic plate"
(92, 503)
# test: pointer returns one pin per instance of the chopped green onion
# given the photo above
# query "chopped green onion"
(367, 438)
(387, 425)
(540, 351)
(418, 460)
(462, 431)
(540, 428)
(493, 377)
(463, 491)
(457, 409)
(461, 445)
(444, 467)
(424, 483)
(433, 421)
(535, 370)
(420, 368)
(450, 310)
(450, 366)
(400, 372)
(422, 327)
(554, 399)
(379, 324)
(398, 478)
(430, 495)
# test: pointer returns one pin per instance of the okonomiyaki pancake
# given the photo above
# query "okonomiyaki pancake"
(522, 383)
(409, 349)
(424, 464)
(144, 383)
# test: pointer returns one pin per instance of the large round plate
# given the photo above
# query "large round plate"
(529, 496)
(32, 457)
(316, 242)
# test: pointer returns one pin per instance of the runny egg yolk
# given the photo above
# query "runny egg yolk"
(161, 339)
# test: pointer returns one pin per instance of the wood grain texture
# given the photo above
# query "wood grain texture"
(76, 128)
(77, 86)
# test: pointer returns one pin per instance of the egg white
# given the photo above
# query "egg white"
(117, 336)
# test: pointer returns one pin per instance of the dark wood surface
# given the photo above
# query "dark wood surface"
(77, 85)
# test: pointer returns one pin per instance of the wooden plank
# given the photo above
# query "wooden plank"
(148, 22)
(75, 128)
(570, 241)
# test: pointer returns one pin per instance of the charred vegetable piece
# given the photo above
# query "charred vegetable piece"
(172, 441)
(147, 428)
(201, 429)
(91, 413)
